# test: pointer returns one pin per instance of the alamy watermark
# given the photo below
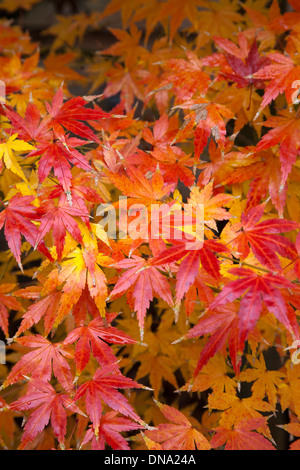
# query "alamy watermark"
(2, 353)
(296, 84)
(2, 92)
(295, 358)
(167, 221)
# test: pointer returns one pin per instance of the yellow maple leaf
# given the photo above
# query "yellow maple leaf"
(235, 409)
(215, 376)
(266, 382)
(289, 391)
(7, 150)
(217, 19)
(160, 359)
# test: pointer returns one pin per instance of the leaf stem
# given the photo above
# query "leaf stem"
(244, 263)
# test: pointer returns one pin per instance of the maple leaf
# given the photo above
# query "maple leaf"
(40, 361)
(160, 361)
(263, 171)
(241, 436)
(81, 193)
(70, 114)
(79, 271)
(46, 307)
(265, 22)
(139, 188)
(7, 149)
(110, 430)
(182, 102)
(209, 118)
(213, 206)
(146, 281)
(256, 289)
(285, 133)
(93, 337)
(127, 45)
(266, 382)
(289, 390)
(282, 74)
(7, 302)
(186, 76)
(159, 368)
(59, 219)
(57, 64)
(180, 435)
(151, 445)
(120, 80)
(222, 325)
(27, 70)
(189, 266)
(243, 70)
(50, 406)
(217, 20)
(263, 238)
(235, 409)
(199, 290)
(102, 387)
(17, 219)
(214, 375)
(70, 28)
(31, 127)
(293, 429)
(176, 15)
(173, 162)
(85, 305)
(60, 154)
(219, 166)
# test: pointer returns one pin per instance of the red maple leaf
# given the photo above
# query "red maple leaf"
(50, 406)
(191, 257)
(222, 326)
(263, 239)
(17, 220)
(93, 338)
(60, 154)
(46, 307)
(173, 162)
(210, 120)
(146, 281)
(103, 387)
(85, 305)
(60, 218)
(110, 430)
(40, 362)
(242, 436)
(243, 70)
(80, 193)
(281, 76)
(179, 434)
(255, 290)
(7, 302)
(58, 151)
(286, 134)
(70, 114)
(31, 127)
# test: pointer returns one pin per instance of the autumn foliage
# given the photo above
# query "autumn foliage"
(120, 342)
